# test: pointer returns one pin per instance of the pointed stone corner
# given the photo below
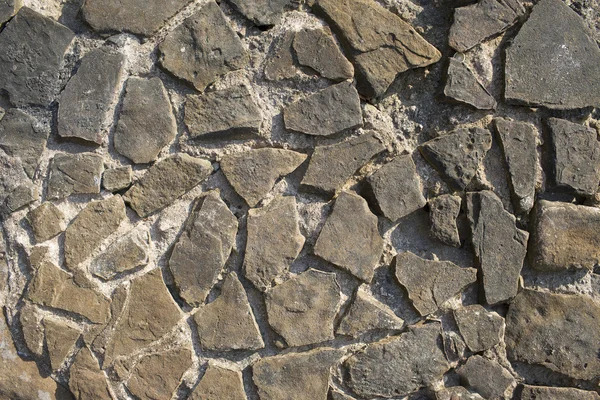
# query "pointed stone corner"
(463, 86)
(316, 49)
(366, 314)
(87, 380)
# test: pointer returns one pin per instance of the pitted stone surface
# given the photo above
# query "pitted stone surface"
(487, 377)
(443, 211)
(263, 12)
(555, 393)
(481, 329)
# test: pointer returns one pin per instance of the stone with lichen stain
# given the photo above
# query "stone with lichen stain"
(463, 86)
(443, 211)
(60, 339)
(480, 328)
(87, 381)
(263, 12)
(122, 256)
(316, 48)
(74, 174)
(487, 377)
(46, 221)
(556, 393)
(219, 383)
(366, 314)
(116, 179)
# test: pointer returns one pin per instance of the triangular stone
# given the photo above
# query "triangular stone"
(60, 340)
(367, 314)
(463, 86)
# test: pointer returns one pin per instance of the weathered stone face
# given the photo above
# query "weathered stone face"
(263, 12)
(481, 329)
(46, 221)
(487, 377)
(87, 381)
(367, 314)
(443, 211)
(554, 393)
(122, 256)
(8, 8)
(463, 86)
(116, 179)
(74, 174)
(218, 383)
(316, 49)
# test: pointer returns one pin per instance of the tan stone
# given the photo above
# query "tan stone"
(46, 221)
(87, 381)
(219, 383)
(60, 340)
(366, 314)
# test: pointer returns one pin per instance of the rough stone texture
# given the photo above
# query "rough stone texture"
(280, 63)
(33, 47)
(116, 179)
(74, 174)
(431, 283)
(60, 340)
(499, 246)
(382, 43)
(316, 49)
(87, 98)
(487, 377)
(353, 244)
(302, 309)
(443, 211)
(325, 113)
(553, 61)
(456, 393)
(46, 221)
(87, 381)
(123, 255)
(22, 196)
(8, 8)
(198, 63)
(263, 12)
(399, 365)
(12, 175)
(274, 241)
(463, 86)
(30, 319)
(253, 174)
(218, 383)
(481, 329)
(366, 314)
(554, 393)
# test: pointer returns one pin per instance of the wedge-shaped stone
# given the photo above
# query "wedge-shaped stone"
(253, 173)
(480, 328)
(316, 48)
(274, 241)
(228, 322)
(30, 318)
(556, 393)
(350, 238)
(165, 182)
(431, 283)
(463, 86)
(8, 8)
(89, 96)
(486, 377)
(60, 340)
(399, 365)
(46, 221)
(302, 310)
(87, 381)
(443, 211)
(263, 12)
(384, 45)
(366, 314)
(123, 255)
(219, 383)
(74, 174)
(280, 62)
(197, 61)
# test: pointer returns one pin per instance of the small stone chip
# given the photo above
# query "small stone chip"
(463, 86)
(116, 179)
(87, 381)
(316, 48)
(481, 329)
(366, 314)
(487, 377)
(123, 255)
(74, 174)
(219, 383)
(556, 393)
(443, 211)
(60, 340)
(46, 222)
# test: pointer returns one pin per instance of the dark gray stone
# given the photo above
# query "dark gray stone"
(123, 255)
(366, 314)
(280, 62)
(46, 221)
(463, 86)
(481, 329)
(487, 377)
(443, 211)
(316, 48)
(116, 179)
(12, 175)
(556, 393)
(8, 8)
(74, 174)
(263, 12)
(22, 196)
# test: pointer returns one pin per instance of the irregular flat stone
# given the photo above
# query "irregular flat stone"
(500, 247)
(196, 61)
(295, 376)
(166, 181)
(263, 12)
(87, 381)
(350, 238)
(60, 341)
(129, 15)
(33, 48)
(518, 141)
(575, 157)
(157, 376)
(558, 332)
(399, 365)
(553, 61)
(19, 138)
(254, 173)
(228, 323)
(331, 166)
(22, 196)
(481, 21)
(30, 319)
(463, 86)
(123, 255)
(97, 221)
(556, 393)
(457, 155)
(280, 64)
(431, 283)
(316, 48)
(384, 45)
(218, 383)
(89, 96)
(366, 314)
(116, 179)
(203, 248)
(481, 329)
(74, 174)
(274, 241)
(13, 175)
(228, 113)
(46, 221)
(146, 122)
(325, 113)
(397, 188)
(302, 309)
(456, 393)
(443, 211)
(8, 8)
(487, 377)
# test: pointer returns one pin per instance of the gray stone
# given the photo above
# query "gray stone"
(553, 61)
(350, 238)
(456, 393)
(122, 256)
(575, 157)
(88, 97)
(280, 63)
(60, 341)
(274, 241)
(197, 61)
(228, 322)
(463, 86)
(116, 179)
(33, 48)
(219, 383)
(316, 48)
(481, 329)
(556, 393)
(87, 381)
(46, 221)
(21, 197)
(455, 347)
(397, 188)
(13, 175)
(458, 155)
(166, 181)
(500, 247)
(399, 365)
(8, 8)
(443, 211)
(332, 165)
(74, 174)
(230, 113)
(254, 173)
(302, 310)
(487, 377)
(384, 45)
(327, 112)
(366, 314)
(263, 12)
(146, 122)
(431, 283)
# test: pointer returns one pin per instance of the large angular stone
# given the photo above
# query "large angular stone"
(263, 12)
(33, 48)
(46, 221)
(443, 211)
(366, 314)
(500, 247)
(431, 283)
(382, 43)
(556, 393)
(8, 8)
(463, 86)
(350, 238)
(399, 365)
(554, 61)
(227, 113)
(219, 383)
(165, 182)
(487, 377)
(327, 112)
(302, 309)
(89, 95)
(481, 329)
(123, 255)
(60, 340)
(202, 61)
(316, 48)
(87, 381)
(274, 241)
(253, 173)
(457, 155)
(228, 322)
(331, 166)
(74, 174)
